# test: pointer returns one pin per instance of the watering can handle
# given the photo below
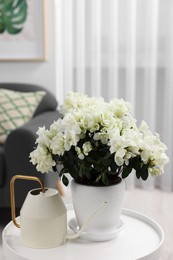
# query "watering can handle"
(22, 177)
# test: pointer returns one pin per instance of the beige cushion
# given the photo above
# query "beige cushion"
(16, 108)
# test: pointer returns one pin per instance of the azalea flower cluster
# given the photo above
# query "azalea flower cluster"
(96, 142)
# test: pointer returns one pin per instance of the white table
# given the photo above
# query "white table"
(141, 238)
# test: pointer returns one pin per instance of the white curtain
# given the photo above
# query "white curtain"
(123, 49)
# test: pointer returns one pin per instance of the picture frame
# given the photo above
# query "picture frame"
(23, 39)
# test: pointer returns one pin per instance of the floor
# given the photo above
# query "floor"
(156, 204)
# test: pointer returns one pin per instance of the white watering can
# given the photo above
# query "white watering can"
(43, 216)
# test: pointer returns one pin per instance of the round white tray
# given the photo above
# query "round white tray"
(141, 238)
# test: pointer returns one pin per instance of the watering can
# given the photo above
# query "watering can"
(43, 216)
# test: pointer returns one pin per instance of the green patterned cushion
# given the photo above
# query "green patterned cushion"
(16, 108)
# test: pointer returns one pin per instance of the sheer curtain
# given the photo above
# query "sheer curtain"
(123, 49)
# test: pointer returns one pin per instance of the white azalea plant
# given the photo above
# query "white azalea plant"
(98, 143)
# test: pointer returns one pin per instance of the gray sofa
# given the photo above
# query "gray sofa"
(14, 154)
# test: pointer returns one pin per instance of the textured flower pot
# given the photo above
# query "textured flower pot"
(87, 198)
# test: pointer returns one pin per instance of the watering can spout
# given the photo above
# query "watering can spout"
(82, 229)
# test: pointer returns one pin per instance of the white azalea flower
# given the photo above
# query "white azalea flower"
(43, 136)
(79, 153)
(70, 139)
(119, 107)
(108, 129)
(87, 147)
(57, 144)
(43, 159)
(103, 137)
(119, 160)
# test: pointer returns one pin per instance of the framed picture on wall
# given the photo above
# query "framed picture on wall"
(22, 30)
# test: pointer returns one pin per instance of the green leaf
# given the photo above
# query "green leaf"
(105, 179)
(112, 173)
(144, 172)
(65, 180)
(126, 172)
(84, 171)
(114, 167)
(138, 173)
(89, 159)
(144, 175)
(13, 14)
(135, 163)
(98, 178)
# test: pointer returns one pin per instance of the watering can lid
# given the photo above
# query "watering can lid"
(48, 192)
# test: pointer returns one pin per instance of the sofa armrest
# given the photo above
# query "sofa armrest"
(18, 146)
(44, 119)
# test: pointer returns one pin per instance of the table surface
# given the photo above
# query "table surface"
(141, 238)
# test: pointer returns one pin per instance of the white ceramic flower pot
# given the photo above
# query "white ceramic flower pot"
(87, 198)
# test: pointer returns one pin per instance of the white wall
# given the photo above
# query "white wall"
(42, 73)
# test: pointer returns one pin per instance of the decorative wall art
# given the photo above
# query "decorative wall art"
(22, 32)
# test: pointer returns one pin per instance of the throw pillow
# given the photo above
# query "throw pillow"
(16, 109)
